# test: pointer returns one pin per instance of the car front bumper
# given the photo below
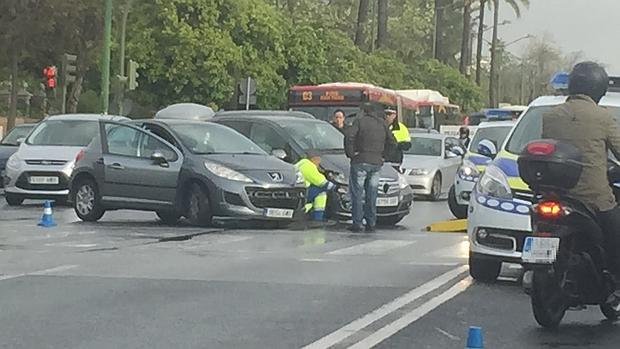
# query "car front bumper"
(463, 189)
(497, 228)
(421, 185)
(253, 202)
(17, 182)
(339, 203)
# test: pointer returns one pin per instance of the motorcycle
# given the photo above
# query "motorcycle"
(564, 262)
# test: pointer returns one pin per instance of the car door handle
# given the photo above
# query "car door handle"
(100, 161)
(116, 166)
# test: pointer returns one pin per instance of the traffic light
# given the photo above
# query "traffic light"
(68, 68)
(49, 74)
(132, 75)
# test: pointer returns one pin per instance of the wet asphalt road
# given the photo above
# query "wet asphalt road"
(131, 282)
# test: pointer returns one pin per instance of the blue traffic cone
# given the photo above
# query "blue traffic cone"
(474, 338)
(47, 220)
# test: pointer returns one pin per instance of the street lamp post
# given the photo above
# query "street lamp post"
(105, 61)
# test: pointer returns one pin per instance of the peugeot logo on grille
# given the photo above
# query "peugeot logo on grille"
(386, 188)
(276, 176)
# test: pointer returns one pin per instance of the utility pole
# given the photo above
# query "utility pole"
(435, 28)
(105, 62)
(493, 83)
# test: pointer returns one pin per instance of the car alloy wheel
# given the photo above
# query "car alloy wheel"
(85, 199)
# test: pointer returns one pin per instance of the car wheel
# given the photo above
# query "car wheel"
(484, 270)
(435, 188)
(459, 211)
(13, 200)
(389, 221)
(87, 203)
(168, 217)
(198, 206)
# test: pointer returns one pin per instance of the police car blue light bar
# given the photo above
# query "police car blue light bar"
(559, 81)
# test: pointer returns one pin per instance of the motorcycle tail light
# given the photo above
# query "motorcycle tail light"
(549, 209)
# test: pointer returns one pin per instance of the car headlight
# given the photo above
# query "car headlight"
(336, 177)
(14, 162)
(468, 169)
(494, 183)
(225, 172)
(418, 172)
(402, 182)
(299, 179)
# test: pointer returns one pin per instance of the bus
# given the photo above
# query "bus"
(434, 110)
(324, 99)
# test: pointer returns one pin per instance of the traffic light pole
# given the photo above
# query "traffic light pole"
(105, 62)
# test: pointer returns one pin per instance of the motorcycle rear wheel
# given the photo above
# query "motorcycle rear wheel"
(548, 304)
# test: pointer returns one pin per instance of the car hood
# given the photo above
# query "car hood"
(6, 151)
(35, 152)
(422, 162)
(264, 169)
(341, 164)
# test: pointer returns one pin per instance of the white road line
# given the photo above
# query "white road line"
(414, 315)
(318, 260)
(371, 248)
(39, 272)
(386, 309)
(432, 264)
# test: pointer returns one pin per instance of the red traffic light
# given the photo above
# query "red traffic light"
(49, 72)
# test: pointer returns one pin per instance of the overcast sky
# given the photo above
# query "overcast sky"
(591, 26)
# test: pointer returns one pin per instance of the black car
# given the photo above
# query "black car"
(195, 169)
(10, 144)
(289, 137)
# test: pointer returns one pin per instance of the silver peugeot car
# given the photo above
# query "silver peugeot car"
(42, 166)
(200, 170)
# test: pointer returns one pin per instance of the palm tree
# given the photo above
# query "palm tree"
(493, 85)
(465, 47)
(362, 18)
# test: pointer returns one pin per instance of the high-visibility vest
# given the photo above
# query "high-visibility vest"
(402, 134)
(311, 173)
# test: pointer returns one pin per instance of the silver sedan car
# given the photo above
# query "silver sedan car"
(431, 163)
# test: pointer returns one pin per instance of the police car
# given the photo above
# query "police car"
(499, 208)
(475, 161)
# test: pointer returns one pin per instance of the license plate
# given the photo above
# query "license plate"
(387, 202)
(43, 180)
(279, 213)
(540, 250)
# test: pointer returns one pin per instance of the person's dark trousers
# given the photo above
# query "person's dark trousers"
(610, 224)
(364, 184)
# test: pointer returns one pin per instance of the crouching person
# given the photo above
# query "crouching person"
(317, 184)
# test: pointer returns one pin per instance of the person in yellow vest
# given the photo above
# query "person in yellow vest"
(317, 184)
(402, 136)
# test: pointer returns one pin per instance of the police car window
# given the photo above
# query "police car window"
(497, 135)
(530, 127)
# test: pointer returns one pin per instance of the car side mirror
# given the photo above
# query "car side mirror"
(159, 159)
(487, 148)
(20, 140)
(279, 153)
(451, 155)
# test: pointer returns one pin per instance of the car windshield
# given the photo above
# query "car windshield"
(497, 135)
(530, 127)
(314, 135)
(208, 138)
(16, 133)
(70, 133)
(425, 146)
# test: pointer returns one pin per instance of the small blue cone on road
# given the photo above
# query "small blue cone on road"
(474, 338)
(47, 220)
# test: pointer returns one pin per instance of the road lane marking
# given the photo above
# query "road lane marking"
(386, 309)
(371, 248)
(39, 272)
(414, 315)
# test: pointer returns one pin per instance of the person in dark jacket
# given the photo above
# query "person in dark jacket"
(338, 120)
(365, 142)
(580, 121)
(464, 136)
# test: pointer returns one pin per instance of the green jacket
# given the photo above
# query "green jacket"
(592, 129)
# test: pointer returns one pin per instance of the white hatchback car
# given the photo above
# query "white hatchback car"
(42, 166)
(499, 209)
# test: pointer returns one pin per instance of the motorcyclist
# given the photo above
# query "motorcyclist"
(464, 136)
(580, 121)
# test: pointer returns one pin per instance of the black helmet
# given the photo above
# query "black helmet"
(464, 131)
(590, 79)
